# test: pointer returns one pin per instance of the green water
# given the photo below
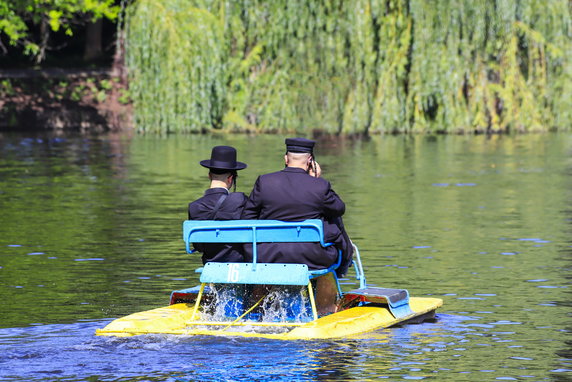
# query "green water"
(90, 230)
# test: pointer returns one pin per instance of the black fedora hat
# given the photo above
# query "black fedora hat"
(223, 158)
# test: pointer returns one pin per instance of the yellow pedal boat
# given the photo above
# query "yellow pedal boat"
(276, 301)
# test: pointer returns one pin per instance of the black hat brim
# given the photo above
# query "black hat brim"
(210, 165)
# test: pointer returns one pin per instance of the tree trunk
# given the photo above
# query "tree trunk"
(118, 66)
(93, 49)
(44, 37)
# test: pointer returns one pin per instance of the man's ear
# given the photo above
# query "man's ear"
(286, 159)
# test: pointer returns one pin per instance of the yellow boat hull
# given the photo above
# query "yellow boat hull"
(175, 319)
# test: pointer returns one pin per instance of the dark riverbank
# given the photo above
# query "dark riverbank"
(86, 100)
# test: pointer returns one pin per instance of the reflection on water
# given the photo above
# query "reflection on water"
(91, 231)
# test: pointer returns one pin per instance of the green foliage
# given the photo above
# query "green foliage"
(175, 52)
(16, 17)
(6, 88)
(105, 84)
(96, 89)
(124, 97)
(11, 23)
(351, 67)
(76, 93)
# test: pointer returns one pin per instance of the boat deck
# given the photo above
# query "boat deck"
(175, 319)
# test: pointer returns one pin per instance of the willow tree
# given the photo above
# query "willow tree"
(361, 66)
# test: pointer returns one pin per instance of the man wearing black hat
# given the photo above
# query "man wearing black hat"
(294, 194)
(218, 203)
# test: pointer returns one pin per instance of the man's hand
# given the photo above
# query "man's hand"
(315, 170)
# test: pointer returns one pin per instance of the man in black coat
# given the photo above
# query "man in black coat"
(218, 203)
(294, 194)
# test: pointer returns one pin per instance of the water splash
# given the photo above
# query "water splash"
(256, 304)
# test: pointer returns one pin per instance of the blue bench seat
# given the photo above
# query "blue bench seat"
(254, 232)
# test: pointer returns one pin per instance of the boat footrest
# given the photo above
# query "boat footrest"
(397, 300)
(187, 295)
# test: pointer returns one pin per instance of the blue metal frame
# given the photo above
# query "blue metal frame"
(360, 275)
(275, 231)
(254, 232)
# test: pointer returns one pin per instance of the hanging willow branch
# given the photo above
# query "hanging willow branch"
(176, 60)
(360, 66)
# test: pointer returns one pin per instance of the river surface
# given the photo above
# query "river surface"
(90, 230)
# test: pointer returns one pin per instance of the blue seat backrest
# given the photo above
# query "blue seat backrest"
(252, 231)
(256, 231)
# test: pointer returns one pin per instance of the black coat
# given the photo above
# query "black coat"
(293, 195)
(230, 209)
